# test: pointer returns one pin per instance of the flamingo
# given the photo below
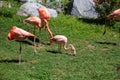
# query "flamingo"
(62, 40)
(34, 20)
(45, 17)
(114, 15)
(19, 34)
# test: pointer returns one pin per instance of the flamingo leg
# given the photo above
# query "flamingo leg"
(39, 36)
(119, 32)
(34, 30)
(20, 53)
(48, 29)
(42, 24)
(35, 51)
(59, 47)
(105, 27)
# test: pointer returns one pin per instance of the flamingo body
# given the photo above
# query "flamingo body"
(61, 39)
(18, 34)
(45, 17)
(33, 20)
(44, 13)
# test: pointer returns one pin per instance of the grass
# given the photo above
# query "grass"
(97, 55)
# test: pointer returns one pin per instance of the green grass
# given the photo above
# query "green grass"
(97, 55)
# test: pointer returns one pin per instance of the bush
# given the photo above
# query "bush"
(6, 12)
(105, 7)
(9, 11)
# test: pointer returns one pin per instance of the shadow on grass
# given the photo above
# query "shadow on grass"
(54, 51)
(57, 52)
(31, 43)
(93, 21)
(108, 43)
(25, 42)
(11, 61)
(32, 39)
(118, 70)
(37, 40)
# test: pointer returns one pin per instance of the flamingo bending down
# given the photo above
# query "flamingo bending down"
(35, 21)
(60, 39)
(114, 15)
(45, 17)
(19, 34)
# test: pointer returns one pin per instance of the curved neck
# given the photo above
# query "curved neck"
(70, 46)
(39, 25)
(66, 48)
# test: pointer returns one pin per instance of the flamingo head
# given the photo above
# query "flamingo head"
(73, 50)
(10, 37)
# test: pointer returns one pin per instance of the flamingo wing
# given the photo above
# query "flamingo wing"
(18, 34)
(33, 20)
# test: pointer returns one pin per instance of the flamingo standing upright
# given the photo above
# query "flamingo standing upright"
(114, 15)
(45, 17)
(62, 40)
(19, 34)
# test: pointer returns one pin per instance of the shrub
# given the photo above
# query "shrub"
(104, 7)
(6, 12)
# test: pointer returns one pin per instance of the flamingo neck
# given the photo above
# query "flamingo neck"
(70, 46)
(39, 26)
(110, 16)
(66, 48)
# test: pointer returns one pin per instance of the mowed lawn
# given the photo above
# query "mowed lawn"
(98, 56)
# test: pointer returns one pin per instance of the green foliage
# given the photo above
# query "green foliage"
(6, 12)
(65, 2)
(9, 12)
(58, 5)
(106, 7)
(103, 9)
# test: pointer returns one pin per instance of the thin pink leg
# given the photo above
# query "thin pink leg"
(48, 29)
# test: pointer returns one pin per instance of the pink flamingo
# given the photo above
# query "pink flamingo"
(114, 15)
(62, 40)
(45, 17)
(19, 34)
(33, 20)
